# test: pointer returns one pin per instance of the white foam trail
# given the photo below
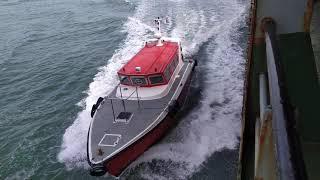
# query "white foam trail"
(73, 151)
(216, 124)
(205, 130)
(21, 174)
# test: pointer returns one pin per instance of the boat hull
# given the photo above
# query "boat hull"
(116, 165)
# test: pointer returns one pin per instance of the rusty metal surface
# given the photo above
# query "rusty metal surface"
(265, 163)
(251, 23)
(280, 133)
(288, 150)
(274, 154)
(308, 16)
(315, 35)
(265, 167)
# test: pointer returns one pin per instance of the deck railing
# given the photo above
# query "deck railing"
(123, 99)
(276, 128)
(171, 105)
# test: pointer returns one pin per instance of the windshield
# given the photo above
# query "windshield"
(158, 79)
(138, 80)
(124, 79)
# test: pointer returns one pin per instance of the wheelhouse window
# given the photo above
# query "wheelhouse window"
(167, 74)
(138, 80)
(175, 61)
(172, 66)
(124, 79)
(157, 79)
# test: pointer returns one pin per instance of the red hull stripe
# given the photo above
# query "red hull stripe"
(124, 158)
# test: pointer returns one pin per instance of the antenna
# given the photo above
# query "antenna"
(158, 35)
(158, 23)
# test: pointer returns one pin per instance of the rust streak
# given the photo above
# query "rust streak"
(252, 24)
(264, 143)
(308, 16)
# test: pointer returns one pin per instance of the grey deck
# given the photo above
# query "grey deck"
(142, 119)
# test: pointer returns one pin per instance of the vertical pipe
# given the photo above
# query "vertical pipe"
(120, 92)
(262, 95)
(256, 150)
(123, 104)
(138, 96)
(114, 117)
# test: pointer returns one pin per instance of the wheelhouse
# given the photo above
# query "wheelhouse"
(152, 66)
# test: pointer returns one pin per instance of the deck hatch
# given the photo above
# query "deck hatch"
(124, 117)
(110, 140)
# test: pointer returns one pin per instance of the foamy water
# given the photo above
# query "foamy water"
(73, 151)
(209, 128)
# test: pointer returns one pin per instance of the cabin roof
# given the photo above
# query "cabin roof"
(151, 59)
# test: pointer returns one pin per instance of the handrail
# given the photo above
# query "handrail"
(130, 94)
(136, 90)
(108, 97)
(288, 155)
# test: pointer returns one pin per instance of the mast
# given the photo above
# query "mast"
(158, 34)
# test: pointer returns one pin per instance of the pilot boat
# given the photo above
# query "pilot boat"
(141, 108)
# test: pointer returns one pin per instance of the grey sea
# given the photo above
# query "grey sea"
(58, 56)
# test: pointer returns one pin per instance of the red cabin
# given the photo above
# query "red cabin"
(152, 66)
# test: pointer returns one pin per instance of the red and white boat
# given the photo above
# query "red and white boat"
(141, 109)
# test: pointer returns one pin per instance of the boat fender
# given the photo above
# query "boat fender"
(95, 106)
(195, 64)
(93, 110)
(97, 170)
(100, 99)
(173, 107)
(88, 136)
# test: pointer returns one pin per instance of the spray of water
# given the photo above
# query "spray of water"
(215, 125)
(73, 151)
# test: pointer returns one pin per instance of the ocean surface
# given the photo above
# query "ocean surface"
(58, 56)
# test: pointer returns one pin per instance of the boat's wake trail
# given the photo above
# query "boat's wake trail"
(212, 126)
(73, 151)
